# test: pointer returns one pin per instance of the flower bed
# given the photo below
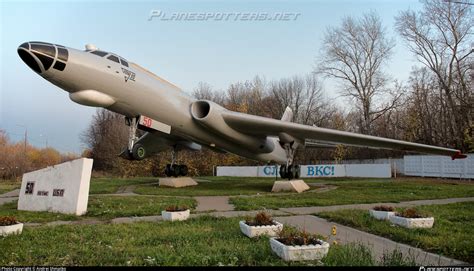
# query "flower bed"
(175, 213)
(382, 212)
(9, 225)
(411, 218)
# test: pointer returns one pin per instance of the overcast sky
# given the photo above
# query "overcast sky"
(183, 52)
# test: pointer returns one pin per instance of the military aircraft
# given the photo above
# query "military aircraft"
(173, 119)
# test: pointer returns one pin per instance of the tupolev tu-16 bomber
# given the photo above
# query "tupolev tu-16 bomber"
(237, 133)
(173, 119)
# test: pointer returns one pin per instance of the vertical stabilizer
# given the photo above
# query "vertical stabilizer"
(287, 115)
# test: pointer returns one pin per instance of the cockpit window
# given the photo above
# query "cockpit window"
(113, 58)
(99, 53)
(63, 54)
(47, 49)
(125, 63)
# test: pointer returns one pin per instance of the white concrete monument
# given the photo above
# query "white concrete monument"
(177, 182)
(62, 188)
(290, 186)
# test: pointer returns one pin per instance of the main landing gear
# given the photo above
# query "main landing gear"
(173, 169)
(289, 170)
(135, 151)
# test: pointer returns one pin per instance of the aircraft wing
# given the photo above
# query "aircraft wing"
(262, 126)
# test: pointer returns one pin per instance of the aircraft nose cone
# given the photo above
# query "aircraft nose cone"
(27, 56)
(39, 56)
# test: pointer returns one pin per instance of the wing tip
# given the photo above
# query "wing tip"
(458, 155)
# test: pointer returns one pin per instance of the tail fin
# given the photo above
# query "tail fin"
(287, 115)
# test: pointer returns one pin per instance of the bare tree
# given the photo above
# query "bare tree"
(440, 36)
(106, 137)
(355, 53)
(204, 91)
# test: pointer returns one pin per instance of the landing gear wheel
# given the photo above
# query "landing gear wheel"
(283, 171)
(183, 170)
(168, 170)
(294, 171)
(138, 152)
(175, 170)
(290, 172)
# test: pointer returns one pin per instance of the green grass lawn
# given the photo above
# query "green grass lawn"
(201, 241)
(112, 185)
(122, 206)
(361, 191)
(103, 207)
(452, 234)
(7, 186)
(218, 186)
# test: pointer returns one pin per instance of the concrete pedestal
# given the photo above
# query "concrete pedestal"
(290, 186)
(177, 182)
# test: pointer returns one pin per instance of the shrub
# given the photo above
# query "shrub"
(293, 237)
(7, 220)
(176, 208)
(384, 208)
(260, 219)
(412, 213)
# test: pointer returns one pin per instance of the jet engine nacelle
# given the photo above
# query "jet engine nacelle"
(209, 114)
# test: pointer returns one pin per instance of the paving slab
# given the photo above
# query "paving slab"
(379, 245)
(318, 209)
(213, 203)
(245, 213)
(13, 193)
(122, 220)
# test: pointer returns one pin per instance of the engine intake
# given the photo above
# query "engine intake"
(209, 114)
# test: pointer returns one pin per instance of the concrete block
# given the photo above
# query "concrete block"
(11, 229)
(290, 186)
(426, 222)
(175, 216)
(62, 188)
(268, 230)
(381, 215)
(299, 253)
(177, 182)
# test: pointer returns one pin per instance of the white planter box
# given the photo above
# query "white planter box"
(426, 222)
(381, 215)
(299, 253)
(12, 229)
(252, 231)
(175, 216)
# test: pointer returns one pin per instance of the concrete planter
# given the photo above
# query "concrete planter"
(425, 222)
(12, 229)
(381, 215)
(175, 216)
(253, 231)
(299, 253)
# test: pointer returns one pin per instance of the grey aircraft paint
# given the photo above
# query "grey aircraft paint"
(103, 79)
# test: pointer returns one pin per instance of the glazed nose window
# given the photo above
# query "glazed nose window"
(45, 53)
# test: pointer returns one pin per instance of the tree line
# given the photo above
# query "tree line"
(20, 157)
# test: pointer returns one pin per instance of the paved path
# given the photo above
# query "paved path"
(379, 245)
(309, 223)
(318, 209)
(213, 203)
(9, 197)
(127, 190)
